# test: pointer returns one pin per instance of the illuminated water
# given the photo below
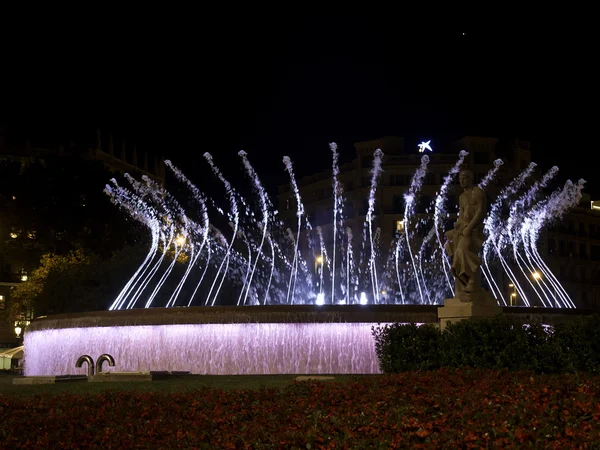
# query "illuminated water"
(261, 259)
(216, 349)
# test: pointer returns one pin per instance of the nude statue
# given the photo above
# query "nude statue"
(466, 239)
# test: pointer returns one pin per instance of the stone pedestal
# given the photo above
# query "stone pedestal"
(467, 305)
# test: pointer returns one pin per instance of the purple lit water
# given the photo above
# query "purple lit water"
(215, 349)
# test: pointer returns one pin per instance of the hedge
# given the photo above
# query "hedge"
(499, 342)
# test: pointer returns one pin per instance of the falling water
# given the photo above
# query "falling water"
(493, 224)
(409, 199)
(234, 216)
(350, 265)
(336, 206)
(299, 212)
(271, 276)
(375, 172)
(265, 210)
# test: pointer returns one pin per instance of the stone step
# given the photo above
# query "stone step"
(51, 379)
(107, 377)
(313, 377)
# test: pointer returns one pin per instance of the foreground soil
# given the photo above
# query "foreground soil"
(440, 409)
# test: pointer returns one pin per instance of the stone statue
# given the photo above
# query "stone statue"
(466, 239)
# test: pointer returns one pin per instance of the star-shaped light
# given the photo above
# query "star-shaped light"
(425, 146)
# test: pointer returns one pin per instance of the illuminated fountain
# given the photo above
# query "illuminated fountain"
(311, 312)
(218, 341)
(265, 261)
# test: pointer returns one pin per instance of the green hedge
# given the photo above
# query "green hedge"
(491, 343)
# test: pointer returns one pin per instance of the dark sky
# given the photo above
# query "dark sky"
(293, 83)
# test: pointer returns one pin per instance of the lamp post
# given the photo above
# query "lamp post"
(18, 331)
(513, 295)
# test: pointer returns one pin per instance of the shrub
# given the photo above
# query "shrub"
(494, 343)
(578, 344)
(402, 347)
(491, 343)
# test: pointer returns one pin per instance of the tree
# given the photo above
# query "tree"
(74, 282)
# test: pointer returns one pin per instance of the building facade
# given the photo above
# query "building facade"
(51, 200)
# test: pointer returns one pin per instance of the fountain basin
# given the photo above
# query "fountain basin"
(51, 379)
(307, 339)
(104, 377)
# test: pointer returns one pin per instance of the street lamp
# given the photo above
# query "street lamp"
(318, 262)
(536, 275)
(18, 330)
(513, 295)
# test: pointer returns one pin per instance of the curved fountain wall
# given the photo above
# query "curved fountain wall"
(218, 340)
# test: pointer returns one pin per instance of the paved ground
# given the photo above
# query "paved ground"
(169, 385)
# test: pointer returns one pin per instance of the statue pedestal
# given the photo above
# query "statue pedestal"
(466, 305)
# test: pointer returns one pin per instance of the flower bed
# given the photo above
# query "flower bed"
(448, 407)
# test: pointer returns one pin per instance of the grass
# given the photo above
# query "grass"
(174, 384)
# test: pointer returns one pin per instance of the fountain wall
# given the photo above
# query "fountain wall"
(218, 340)
(308, 339)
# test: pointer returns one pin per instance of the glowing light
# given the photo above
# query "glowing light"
(18, 330)
(511, 285)
(536, 275)
(425, 146)
(24, 277)
(319, 259)
(267, 348)
(399, 225)
(14, 235)
(320, 299)
(180, 240)
(363, 298)
(383, 292)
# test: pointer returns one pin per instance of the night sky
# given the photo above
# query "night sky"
(293, 83)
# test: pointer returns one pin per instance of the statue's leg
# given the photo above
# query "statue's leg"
(472, 284)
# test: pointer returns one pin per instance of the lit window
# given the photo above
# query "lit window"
(2, 302)
(399, 225)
